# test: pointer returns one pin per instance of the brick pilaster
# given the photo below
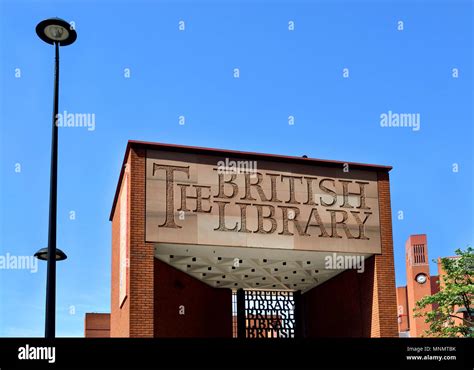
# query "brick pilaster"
(384, 308)
(141, 253)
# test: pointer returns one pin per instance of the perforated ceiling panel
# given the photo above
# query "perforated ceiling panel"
(257, 268)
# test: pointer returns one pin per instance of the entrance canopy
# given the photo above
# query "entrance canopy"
(188, 221)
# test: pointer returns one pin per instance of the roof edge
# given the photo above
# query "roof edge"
(216, 151)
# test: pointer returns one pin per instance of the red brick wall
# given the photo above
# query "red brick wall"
(403, 310)
(384, 314)
(208, 311)
(341, 306)
(141, 253)
(120, 316)
(97, 325)
(135, 317)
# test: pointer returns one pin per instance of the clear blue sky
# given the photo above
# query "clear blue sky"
(190, 73)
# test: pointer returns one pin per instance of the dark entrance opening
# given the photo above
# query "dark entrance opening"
(266, 314)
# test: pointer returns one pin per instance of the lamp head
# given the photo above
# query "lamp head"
(54, 30)
(42, 254)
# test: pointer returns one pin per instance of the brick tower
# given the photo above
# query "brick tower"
(418, 280)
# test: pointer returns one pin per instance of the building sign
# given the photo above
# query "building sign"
(205, 199)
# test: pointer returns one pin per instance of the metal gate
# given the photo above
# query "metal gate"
(267, 314)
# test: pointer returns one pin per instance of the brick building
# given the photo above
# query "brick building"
(220, 243)
(420, 283)
(97, 325)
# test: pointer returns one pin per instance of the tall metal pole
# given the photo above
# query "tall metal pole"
(50, 326)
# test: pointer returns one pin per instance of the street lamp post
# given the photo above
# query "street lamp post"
(57, 32)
